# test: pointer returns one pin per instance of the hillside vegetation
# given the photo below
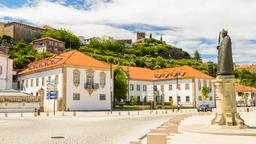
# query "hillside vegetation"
(153, 54)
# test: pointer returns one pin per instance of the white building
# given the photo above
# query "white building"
(180, 85)
(6, 71)
(245, 93)
(81, 82)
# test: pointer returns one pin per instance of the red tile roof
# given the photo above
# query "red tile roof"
(243, 88)
(71, 58)
(138, 73)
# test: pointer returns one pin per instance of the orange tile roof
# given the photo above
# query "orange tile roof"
(138, 73)
(243, 88)
(47, 38)
(71, 58)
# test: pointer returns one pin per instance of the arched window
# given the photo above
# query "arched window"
(76, 77)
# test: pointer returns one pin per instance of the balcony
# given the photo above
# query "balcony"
(91, 86)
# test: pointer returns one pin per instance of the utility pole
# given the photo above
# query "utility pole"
(111, 88)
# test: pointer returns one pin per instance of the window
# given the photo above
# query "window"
(76, 77)
(102, 79)
(18, 84)
(138, 99)
(155, 88)
(178, 99)
(131, 87)
(162, 87)
(102, 97)
(43, 81)
(205, 83)
(178, 86)
(170, 99)
(1, 70)
(170, 87)
(26, 83)
(138, 87)
(76, 96)
(32, 83)
(22, 84)
(210, 98)
(187, 99)
(90, 77)
(199, 85)
(187, 87)
(37, 82)
(144, 87)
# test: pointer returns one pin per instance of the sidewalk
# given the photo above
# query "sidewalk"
(196, 138)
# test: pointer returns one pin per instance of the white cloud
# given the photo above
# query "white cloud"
(194, 19)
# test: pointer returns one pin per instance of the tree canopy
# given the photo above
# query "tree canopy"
(71, 40)
(120, 84)
(197, 56)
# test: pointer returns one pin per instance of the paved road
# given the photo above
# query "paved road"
(77, 130)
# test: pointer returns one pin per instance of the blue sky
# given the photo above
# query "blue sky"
(191, 25)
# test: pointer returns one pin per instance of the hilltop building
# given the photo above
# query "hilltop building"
(48, 44)
(179, 85)
(140, 37)
(20, 31)
(79, 81)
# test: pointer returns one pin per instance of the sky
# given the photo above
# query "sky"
(188, 24)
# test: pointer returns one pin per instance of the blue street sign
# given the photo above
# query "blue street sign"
(52, 95)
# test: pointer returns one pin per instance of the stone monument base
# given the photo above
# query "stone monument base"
(226, 102)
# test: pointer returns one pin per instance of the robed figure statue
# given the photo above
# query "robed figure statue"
(225, 60)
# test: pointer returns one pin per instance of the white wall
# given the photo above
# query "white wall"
(141, 93)
(174, 93)
(212, 94)
(87, 101)
(7, 69)
(48, 104)
(250, 98)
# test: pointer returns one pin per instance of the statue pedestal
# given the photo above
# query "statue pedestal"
(226, 114)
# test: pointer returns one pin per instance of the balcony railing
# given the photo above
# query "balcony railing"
(91, 85)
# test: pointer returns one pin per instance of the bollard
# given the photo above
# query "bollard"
(166, 112)
(156, 138)
(128, 113)
(138, 113)
(47, 114)
(156, 112)
(6, 114)
(161, 130)
(21, 114)
(63, 114)
(74, 113)
(136, 142)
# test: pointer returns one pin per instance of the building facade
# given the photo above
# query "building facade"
(48, 44)
(180, 85)
(81, 82)
(6, 70)
(20, 31)
(245, 95)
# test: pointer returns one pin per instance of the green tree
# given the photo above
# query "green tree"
(245, 98)
(205, 93)
(22, 54)
(71, 40)
(133, 100)
(43, 55)
(197, 56)
(120, 84)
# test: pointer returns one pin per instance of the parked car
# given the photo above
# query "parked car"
(204, 108)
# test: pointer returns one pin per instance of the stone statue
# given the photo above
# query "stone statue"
(225, 60)
(225, 86)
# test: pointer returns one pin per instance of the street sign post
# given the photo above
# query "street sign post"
(52, 92)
